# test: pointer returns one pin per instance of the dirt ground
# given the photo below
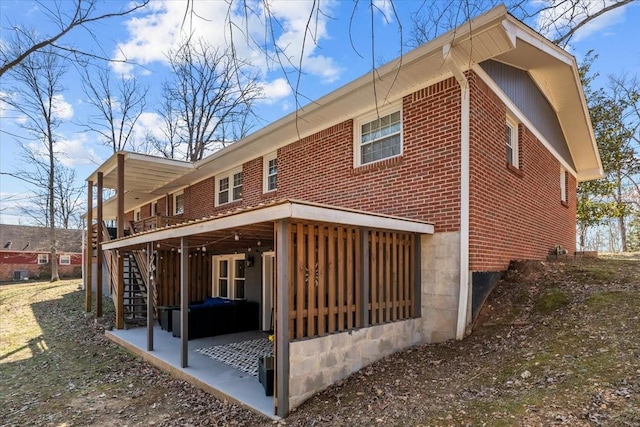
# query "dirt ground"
(558, 343)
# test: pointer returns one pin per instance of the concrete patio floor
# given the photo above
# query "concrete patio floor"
(219, 379)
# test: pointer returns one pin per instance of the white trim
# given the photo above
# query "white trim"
(515, 111)
(563, 185)
(274, 212)
(265, 172)
(512, 123)
(67, 257)
(229, 174)
(154, 208)
(370, 116)
(43, 259)
(175, 204)
(268, 272)
(136, 214)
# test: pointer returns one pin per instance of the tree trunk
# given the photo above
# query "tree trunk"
(52, 221)
(621, 224)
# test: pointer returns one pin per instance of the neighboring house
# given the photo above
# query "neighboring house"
(380, 215)
(25, 252)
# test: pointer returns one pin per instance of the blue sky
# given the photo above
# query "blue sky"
(342, 52)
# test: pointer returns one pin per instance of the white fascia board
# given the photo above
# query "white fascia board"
(270, 213)
(520, 116)
(274, 213)
(338, 216)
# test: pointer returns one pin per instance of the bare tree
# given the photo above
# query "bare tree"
(83, 15)
(558, 20)
(118, 107)
(36, 96)
(207, 102)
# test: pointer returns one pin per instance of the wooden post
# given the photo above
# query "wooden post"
(120, 225)
(416, 276)
(282, 317)
(184, 303)
(99, 254)
(88, 274)
(364, 274)
(150, 310)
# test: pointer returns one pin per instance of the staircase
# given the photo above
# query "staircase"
(135, 290)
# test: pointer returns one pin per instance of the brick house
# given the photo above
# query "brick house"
(25, 252)
(368, 224)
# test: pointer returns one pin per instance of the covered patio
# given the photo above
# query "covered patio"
(218, 378)
(366, 281)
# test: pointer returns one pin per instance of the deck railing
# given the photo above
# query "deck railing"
(153, 222)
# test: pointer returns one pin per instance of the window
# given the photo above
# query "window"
(511, 141)
(563, 185)
(154, 208)
(65, 259)
(178, 203)
(136, 214)
(270, 176)
(229, 187)
(43, 258)
(380, 138)
(228, 274)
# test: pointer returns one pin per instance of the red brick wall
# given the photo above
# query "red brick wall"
(198, 199)
(514, 214)
(28, 261)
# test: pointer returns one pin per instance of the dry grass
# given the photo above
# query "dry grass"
(559, 345)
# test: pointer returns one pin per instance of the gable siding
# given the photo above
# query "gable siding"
(513, 215)
(521, 89)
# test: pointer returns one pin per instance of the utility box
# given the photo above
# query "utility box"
(20, 275)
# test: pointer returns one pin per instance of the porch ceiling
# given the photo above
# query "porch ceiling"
(256, 223)
(142, 173)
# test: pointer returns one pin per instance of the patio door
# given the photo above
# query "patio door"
(228, 276)
(268, 279)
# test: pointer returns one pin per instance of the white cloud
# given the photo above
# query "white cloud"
(385, 8)
(562, 15)
(275, 91)
(61, 108)
(77, 151)
(164, 25)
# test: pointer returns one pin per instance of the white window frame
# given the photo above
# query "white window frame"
(563, 185)
(136, 215)
(512, 124)
(363, 120)
(265, 172)
(65, 260)
(175, 202)
(43, 258)
(154, 208)
(230, 176)
(231, 278)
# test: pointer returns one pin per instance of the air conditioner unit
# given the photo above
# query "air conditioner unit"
(20, 275)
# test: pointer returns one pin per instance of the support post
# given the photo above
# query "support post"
(417, 275)
(282, 317)
(150, 311)
(88, 276)
(364, 274)
(184, 303)
(99, 254)
(121, 254)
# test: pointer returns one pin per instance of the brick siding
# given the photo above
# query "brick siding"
(514, 214)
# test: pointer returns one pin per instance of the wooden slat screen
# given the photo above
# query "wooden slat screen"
(391, 272)
(325, 283)
(168, 276)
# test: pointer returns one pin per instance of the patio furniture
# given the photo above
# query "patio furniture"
(265, 374)
(166, 311)
(218, 316)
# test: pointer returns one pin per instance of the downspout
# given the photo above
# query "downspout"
(463, 299)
